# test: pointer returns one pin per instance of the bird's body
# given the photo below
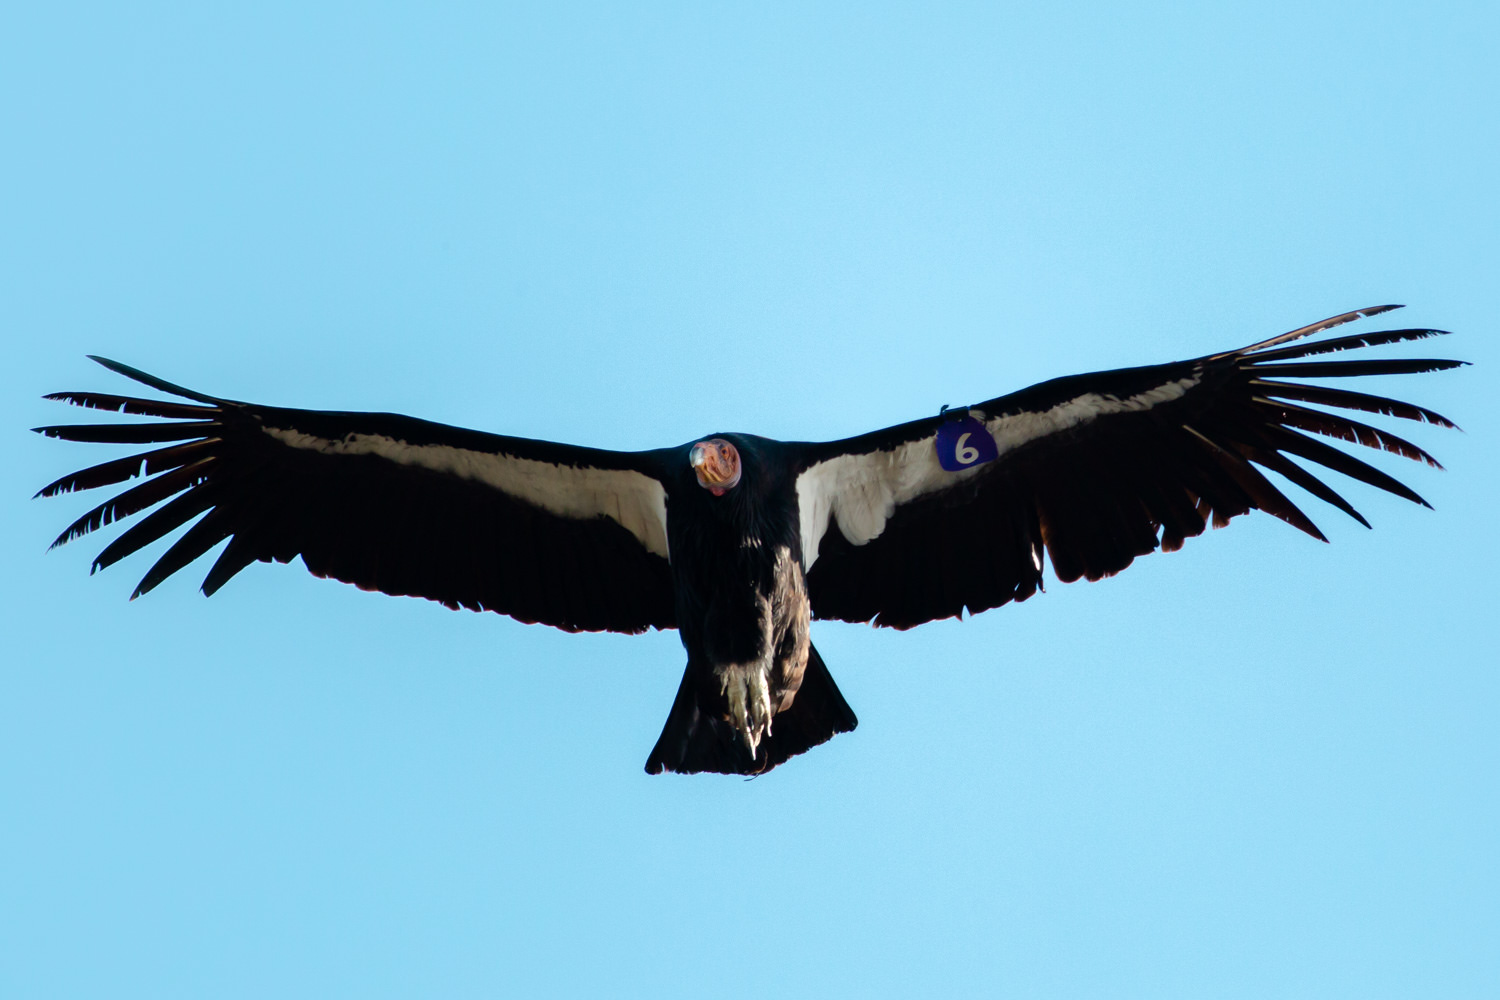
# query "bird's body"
(738, 541)
(744, 618)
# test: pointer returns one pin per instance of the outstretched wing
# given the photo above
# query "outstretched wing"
(1094, 469)
(572, 537)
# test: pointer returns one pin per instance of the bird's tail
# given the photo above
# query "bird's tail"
(698, 735)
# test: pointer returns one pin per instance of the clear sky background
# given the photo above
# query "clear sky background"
(1258, 767)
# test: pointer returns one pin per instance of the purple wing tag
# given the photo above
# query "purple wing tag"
(963, 444)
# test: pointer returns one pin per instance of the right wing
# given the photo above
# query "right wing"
(567, 536)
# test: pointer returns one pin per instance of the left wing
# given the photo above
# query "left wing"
(567, 536)
(1094, 469)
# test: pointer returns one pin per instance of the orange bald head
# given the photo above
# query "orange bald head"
(717, 463)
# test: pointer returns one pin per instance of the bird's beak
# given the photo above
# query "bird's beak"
(698, 457)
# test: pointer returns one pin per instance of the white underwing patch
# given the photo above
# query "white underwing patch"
(1016, 429)
(635, 501)
(860, 492)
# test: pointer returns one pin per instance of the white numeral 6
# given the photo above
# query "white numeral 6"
(962, 452)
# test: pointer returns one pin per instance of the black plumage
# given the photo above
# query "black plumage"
(739, 541)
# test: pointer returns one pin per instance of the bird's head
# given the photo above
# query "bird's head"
(717, 465)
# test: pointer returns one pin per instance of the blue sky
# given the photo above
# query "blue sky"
(1258, 767)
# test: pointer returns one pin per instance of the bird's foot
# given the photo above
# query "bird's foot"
(749, 693)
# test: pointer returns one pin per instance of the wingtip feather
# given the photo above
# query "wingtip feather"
(1313, 328)
(145, 378)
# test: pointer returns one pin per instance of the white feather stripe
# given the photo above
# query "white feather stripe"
(860, 492)
(1016, 429)
(635, 501)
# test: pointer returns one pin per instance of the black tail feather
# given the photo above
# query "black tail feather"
(699, 737)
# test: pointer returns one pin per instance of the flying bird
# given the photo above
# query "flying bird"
(739, 541)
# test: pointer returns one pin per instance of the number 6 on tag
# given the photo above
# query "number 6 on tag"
(963, 444)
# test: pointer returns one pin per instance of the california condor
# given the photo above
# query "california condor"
(739, 541)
